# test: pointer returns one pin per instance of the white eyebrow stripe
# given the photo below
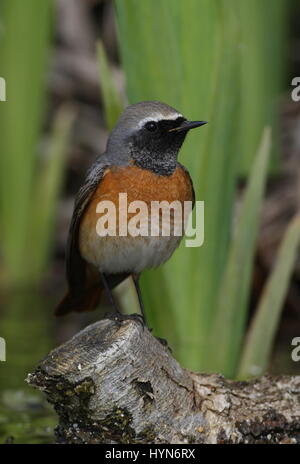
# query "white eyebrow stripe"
(160, 117)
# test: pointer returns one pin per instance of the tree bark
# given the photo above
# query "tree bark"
(115, 383)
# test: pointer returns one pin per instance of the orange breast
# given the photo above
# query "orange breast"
(138, 184)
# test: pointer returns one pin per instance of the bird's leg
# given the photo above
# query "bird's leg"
(117, 315)
(109, 293)
(135, 278)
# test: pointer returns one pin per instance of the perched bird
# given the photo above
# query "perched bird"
(141, 161)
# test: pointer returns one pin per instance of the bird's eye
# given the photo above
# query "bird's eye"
(151, 126)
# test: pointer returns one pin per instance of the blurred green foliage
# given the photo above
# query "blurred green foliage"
(217, 60)
(28, 183)
(263, 65)
(221, 61)
(260, 337)
(174, 54)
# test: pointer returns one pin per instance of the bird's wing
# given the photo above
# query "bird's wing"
(75, 264)
(84, 281)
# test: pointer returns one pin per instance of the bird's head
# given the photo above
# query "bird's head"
(151, 134)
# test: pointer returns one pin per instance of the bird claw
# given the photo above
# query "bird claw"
(118, 317)
(164, 343)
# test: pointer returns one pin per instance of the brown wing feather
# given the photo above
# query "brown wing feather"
(84, 284)
(75, 264)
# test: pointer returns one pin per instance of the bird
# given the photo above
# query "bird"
(141, 160)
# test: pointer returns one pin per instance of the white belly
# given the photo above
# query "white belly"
(118, 252)
(130, 254)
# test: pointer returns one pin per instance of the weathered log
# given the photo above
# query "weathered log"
(115, 383)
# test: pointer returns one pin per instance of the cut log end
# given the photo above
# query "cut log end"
(115, 383)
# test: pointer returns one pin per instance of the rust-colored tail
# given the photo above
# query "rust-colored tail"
(86, 301)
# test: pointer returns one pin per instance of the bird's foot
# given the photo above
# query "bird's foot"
(118, 317)
(164, 342)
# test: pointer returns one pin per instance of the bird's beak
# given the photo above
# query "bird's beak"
(187, 125)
